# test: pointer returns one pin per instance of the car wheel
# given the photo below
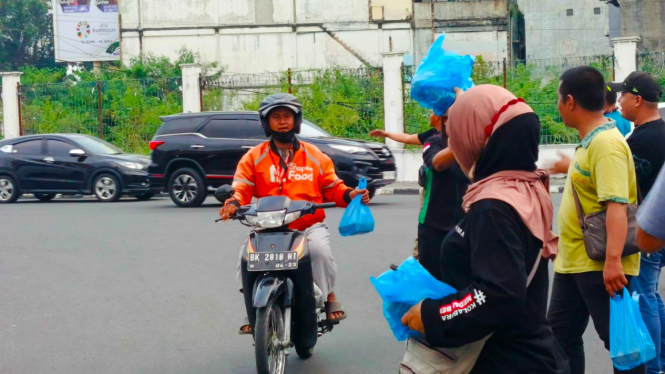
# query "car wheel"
(145, 196)
(45, 196)
(187, 188)
(106, 188)
(372, 192)
(9, 191)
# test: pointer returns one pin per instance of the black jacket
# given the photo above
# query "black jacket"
(442, 208)
(488, 258)
(647, 143)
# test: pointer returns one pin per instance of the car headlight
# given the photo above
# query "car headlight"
(350, 148)
(131, 165)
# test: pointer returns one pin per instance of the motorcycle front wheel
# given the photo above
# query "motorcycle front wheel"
(268, 337)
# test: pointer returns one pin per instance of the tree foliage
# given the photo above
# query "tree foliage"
(26, 34)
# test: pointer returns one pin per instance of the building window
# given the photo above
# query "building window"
(569, 12)
(596, 10)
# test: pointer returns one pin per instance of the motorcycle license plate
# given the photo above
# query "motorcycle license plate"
(389, 175)
(263, 261)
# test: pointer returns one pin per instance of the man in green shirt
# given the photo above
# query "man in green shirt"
(603, 173)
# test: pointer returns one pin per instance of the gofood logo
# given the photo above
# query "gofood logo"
(83, 30)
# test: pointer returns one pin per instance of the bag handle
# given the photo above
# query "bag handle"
(535, 269)
(640, 198)
(578, 206)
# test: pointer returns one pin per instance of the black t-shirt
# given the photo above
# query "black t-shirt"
(444, 190)
(647, 142)
(493, 294)
(423, 136)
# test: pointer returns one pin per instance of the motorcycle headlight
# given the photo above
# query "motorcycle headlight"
(130, 165)
(252, 220)
(350, 148)
(290, 217)
(270, 219)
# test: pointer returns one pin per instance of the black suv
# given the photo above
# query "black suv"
(194, 153)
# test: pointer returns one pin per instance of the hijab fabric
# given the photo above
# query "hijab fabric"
(473, 121)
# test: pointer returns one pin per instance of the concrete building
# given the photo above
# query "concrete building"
(487, 28)
(644, 18)
(253, 36)
(566, 28)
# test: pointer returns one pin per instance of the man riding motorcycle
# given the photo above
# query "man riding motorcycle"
(286, 166)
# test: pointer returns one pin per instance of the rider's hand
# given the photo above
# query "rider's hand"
(227, 211)
(413, 320)
(561, 166)
(364, 193)
(378, 134)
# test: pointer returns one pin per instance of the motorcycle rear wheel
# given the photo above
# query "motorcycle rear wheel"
(268, 335)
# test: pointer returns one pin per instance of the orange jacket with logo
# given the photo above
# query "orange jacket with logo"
(310, 176)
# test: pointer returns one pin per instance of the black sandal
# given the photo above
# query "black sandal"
(334, 307)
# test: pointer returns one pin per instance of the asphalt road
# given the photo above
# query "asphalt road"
(145, 287)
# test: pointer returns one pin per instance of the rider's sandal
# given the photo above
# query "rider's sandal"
(334, 307)
(243, 331)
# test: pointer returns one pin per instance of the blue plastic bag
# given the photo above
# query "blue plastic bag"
(630, 342)
(403, 288)
(440, 72)
(357, 218)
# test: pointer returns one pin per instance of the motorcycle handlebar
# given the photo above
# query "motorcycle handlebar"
(324, 205)
(241, 210)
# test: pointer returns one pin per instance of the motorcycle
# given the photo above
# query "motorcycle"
(284, 306)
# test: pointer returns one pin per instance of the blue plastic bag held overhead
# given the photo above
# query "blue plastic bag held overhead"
(403, 288)
(440, 72)
(357, 218)
(630, 342)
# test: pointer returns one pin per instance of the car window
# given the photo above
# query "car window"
(310, 130)
(58, 148)
(234, 129)
(96, 146)
(31, 147)
(180, 126)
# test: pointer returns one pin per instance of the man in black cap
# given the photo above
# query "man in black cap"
(640, 94)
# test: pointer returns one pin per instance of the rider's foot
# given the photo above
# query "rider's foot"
(245, 329)
(336, 315)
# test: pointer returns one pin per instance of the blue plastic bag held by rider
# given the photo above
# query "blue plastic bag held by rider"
(630, 342)
(357, 218)
(403, 288)
(440, 72)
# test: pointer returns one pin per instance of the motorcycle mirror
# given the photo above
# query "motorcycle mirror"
(224, 192)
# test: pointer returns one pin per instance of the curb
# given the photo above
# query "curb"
(416, 191)
(556, 189)
(398, 191)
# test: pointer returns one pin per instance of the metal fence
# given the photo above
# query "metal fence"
(653, 63)
(536, 81)
(345, 102)
(123, 112)
(2, 124)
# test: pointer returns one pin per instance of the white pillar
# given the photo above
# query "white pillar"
(625, 55)
(393, 96)
(191, 89)
(10, 108)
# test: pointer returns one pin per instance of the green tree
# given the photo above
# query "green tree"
(26, 34)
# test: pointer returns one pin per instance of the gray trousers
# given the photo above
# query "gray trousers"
(324, 268)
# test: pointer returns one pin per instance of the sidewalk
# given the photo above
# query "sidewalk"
(412, 188)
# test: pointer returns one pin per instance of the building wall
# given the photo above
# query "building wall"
(644, 18)
(551, 33)
(478, 28)
(253, 36)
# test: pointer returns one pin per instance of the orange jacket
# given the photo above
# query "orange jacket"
(310, 176)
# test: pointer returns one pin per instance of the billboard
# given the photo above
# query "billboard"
(86, 30)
